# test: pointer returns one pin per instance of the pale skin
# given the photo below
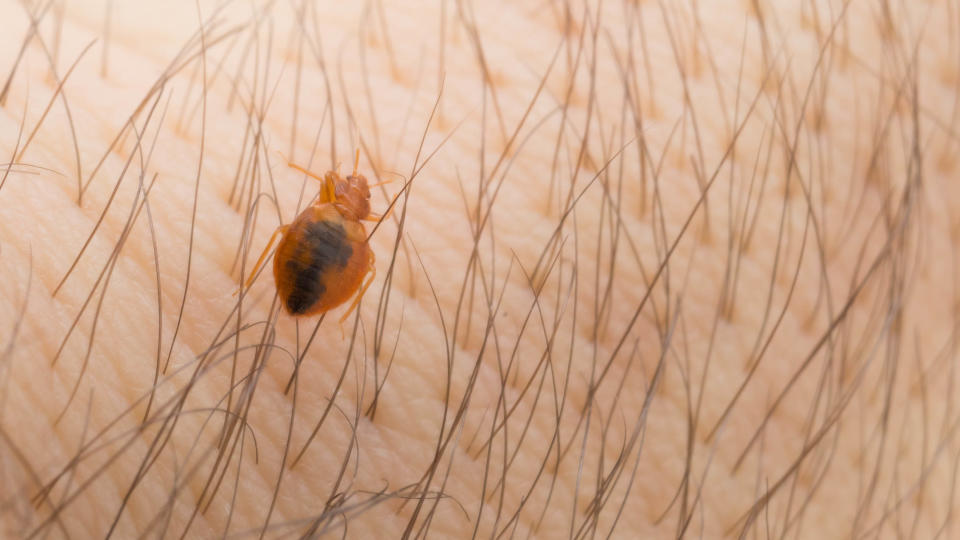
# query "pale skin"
(654, 270)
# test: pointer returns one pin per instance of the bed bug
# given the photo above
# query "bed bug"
(323, 255)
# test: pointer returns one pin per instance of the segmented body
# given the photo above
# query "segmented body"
(320, 261)
(323, 255)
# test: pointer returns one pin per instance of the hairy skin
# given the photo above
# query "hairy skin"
(654, 270)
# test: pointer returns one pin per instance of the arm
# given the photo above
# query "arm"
(657, 269)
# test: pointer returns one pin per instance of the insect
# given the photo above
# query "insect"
(323, 255)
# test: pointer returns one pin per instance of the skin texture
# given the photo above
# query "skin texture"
(657, 269)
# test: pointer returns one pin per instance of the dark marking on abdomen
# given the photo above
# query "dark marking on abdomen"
(323, 248)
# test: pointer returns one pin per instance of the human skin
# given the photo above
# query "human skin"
(652, 270)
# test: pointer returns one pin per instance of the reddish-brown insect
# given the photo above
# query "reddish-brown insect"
(323, 254)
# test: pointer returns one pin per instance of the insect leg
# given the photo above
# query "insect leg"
(327, 192)
(373, 216)
(253, 273)
(381, 183)
(373, 274)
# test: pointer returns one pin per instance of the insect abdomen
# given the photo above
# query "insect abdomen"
(317, 265)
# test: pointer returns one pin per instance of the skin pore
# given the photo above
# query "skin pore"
(653, 269)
